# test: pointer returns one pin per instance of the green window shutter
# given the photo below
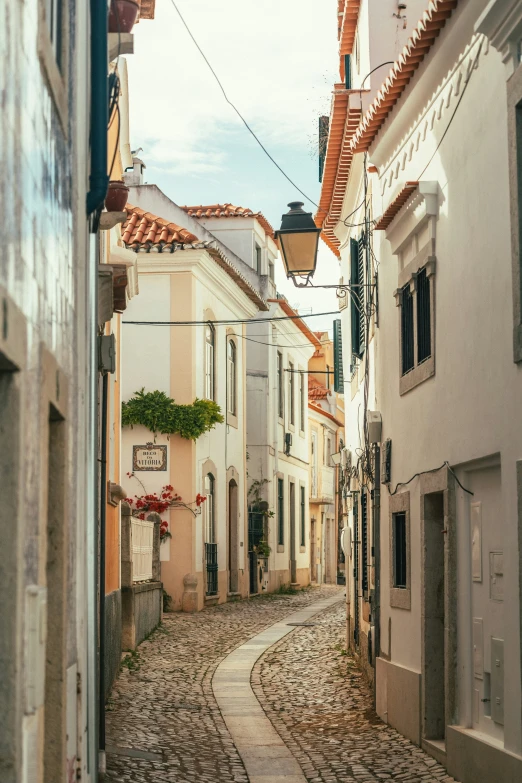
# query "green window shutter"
(361, 292)
(338, 357)
(354, 298)
(347, 72)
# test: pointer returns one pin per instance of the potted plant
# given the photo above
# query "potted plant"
(116, 196)
(123, 15)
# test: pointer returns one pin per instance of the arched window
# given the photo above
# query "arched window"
(210, 344)
(232, 377)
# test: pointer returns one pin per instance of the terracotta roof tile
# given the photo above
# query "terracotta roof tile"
(147, 8)
(142, 226)
(396, 205)
(316, 390)
(146, 233)
(338, 161)
(347, 31)
(418, 46)
(228, 210)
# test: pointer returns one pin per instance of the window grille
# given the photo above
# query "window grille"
(212, 568)
(280, 512)
(407, 330)
(364, 542)
(232, 378)
(210, 339)
(399, 550)
(423, 317)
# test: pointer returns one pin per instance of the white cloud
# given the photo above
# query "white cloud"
(276, 58)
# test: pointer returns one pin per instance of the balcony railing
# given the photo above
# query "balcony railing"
(212, 568)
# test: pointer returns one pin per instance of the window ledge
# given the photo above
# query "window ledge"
(110, 219)
(232, 420)
(418, 375)
(280, 547)
(120, 43)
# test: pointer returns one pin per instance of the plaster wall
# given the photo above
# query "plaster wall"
(469, 409)
(185, 286)
(47, 296)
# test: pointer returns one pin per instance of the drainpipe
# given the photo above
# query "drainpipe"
(376, 612)
(98, 178)
(103, 519)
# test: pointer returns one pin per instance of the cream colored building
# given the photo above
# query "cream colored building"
(185, 279)
(326, 432)
(428, 226)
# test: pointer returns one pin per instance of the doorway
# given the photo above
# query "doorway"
(232, 538)
(434, 663)
(293, 560)
(313, 552)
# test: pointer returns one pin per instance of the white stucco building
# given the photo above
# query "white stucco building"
(185, 279)
(416, 201)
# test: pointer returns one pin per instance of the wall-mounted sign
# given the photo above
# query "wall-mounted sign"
(149, 457)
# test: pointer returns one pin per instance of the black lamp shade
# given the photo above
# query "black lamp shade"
(298, 239)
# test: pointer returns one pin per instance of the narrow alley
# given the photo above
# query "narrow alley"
(164, 722)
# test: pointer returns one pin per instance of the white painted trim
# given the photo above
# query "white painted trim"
(501, 22)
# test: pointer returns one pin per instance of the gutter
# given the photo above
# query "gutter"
(98, 177)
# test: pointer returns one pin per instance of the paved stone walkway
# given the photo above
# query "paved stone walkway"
(320, 705)
(162, 709)
(164, 723)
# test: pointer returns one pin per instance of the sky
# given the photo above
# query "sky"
(277, 61)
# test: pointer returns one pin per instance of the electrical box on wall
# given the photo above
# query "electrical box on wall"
(374, 426)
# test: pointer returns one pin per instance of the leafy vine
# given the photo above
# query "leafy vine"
(160, 414)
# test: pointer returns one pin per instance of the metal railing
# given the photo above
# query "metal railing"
(142, 544)
(212, 568)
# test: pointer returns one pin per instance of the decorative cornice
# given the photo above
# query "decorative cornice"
(501, 23)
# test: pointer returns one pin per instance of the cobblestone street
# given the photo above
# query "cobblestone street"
(163, 722)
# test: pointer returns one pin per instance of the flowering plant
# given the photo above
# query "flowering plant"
(160, 502)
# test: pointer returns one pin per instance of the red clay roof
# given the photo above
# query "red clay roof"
(396, 205)
(285, 307)
(418, 46)
(142, 227)
(347, 31)
(228, 210)
(143, 231)
(338, 161)
(316, 390)
(314, 406)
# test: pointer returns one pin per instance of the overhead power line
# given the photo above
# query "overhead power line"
(245, 123)
(231, 321)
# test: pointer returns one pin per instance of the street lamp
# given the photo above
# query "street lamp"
(298, 238)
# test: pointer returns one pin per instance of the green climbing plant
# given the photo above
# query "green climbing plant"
(161, 414)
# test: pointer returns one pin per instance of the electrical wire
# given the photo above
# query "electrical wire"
(272, 345)
(445, 464)
(245, 123)
(231, 321)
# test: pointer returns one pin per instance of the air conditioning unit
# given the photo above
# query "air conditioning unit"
(288, 442)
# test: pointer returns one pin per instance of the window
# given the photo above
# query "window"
(210, 529)
(514, 90)
(407, 335)
(258, 259)
(301, 402)
(364, 542)
(54, 20)
(280, 512)
(399, 550)
(280, 392)
(271, 271)
(423, 317)
(328, 450)
(313, 448)
(210, 339)
(302, 515)
(416, 327)
(291, 392)
(357, 259)
(232, 378)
